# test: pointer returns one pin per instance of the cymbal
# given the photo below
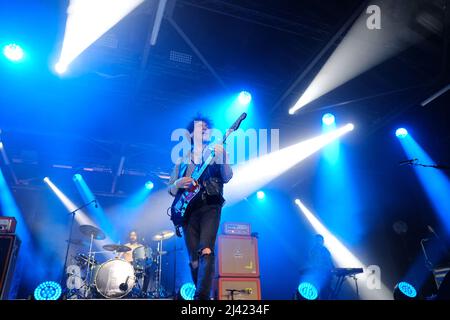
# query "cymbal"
(163, 235)
(116, 247)
(78, 242)
(88, 230)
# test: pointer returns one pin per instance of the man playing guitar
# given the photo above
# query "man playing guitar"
(201, 226)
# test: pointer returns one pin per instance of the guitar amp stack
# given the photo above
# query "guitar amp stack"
(238, 275)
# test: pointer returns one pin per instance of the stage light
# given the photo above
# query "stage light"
(149, 185)
(405, 291)
(187, 291)
(77, 177)
(244, 98)
(260, 195)
(60, 67)
(361, 49)
(434, 182)
(252, 175)
(86, 22)
(48, 290)
(401, 133)
(80, 217)
(13, 52)
(328, 119)
(1, 145)
(342, 256)
(308, 291)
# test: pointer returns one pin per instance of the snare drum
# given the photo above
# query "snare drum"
(114, 278)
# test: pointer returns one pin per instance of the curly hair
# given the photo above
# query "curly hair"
(199, 117)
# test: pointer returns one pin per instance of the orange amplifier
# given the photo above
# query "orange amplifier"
(237, 256)
(7, 225)
(237, 289)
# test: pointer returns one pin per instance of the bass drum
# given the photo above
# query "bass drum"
(114, 279)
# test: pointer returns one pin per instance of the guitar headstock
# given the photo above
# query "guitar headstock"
(235, 125)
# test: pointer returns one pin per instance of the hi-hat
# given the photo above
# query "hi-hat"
(89, 231)
(163, 235)
(116, 247)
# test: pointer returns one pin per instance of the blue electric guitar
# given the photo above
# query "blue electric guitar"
(184, 197)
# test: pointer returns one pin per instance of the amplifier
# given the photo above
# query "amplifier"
(7, 225)
(9, 250)
(237, 256)
(237, 289)
(236, 228)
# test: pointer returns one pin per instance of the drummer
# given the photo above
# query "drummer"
(132, 244)
(128, 256)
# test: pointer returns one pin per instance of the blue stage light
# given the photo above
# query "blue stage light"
(187, 291)
(244, 98)
(149, 185)
(13, 52)
(328, 119)
(308, 291)
(404, 290)
(48, 290)
(77, 177)
(401, 133)
(260, 195)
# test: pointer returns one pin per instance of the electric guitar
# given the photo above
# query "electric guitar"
(184, 197)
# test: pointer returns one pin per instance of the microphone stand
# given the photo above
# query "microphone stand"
(70, 237)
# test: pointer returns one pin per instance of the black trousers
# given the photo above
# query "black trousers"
(200, 232)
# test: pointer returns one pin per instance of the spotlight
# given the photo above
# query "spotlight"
(187, 291)
(149, 185)
(77, 177)
(260, 195)
(1, 145)
(307, 291)
(401, 133)
(404, 291)
(60, 67)
(13, 52)
(48, 290)
(244, 98)
(46, 180)
(328, 119)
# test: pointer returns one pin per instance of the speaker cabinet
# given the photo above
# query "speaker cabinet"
(237, 289)
(9, 249)
(237, 256)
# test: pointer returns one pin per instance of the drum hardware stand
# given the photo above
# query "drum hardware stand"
(64, 275)
(91, 259)
(158, 289)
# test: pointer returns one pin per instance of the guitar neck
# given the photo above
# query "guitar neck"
(198, 173)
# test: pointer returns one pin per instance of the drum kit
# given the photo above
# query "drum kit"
(115, 278)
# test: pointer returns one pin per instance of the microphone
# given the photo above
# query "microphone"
(124, 286)
(409, 161)
(246, 291)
